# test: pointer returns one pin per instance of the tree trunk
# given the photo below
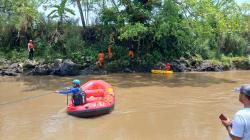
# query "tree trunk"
(103, 3)
(87, 16)
(59, 24)
(80, 11)
(116, 7)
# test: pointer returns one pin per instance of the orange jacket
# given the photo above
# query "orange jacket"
(131, 54)
(101, 56)
(109, 52)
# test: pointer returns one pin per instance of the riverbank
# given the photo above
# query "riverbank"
(67, 67)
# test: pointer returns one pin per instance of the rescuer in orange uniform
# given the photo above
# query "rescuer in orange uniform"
(131, 52)
(110, 52)
(101, 58)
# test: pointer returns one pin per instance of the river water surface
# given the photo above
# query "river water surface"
(181, 106)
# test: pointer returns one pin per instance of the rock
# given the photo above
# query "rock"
(58, 62)
(60, 67)
(180, 66)
(185, 61)
(128, 70)
(207, 65)
(4, 66)
(42, 70)
(12, 70)
(28, 64)
(3, 61)
(41, 61)
(9, 73)
(90, 70)
(8, 62)
(67, 68)
(14, 65)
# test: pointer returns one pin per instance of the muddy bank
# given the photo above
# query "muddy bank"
(69, 68)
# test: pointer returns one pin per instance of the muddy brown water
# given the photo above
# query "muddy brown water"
(181, 106)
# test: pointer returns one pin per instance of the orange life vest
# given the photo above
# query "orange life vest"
(101, 58)
(109, 52)
(131, 54)
(30, 45)
(168, 67)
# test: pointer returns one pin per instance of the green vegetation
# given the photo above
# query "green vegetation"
(160, 30)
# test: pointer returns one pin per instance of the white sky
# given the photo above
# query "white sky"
(93, 15)
(243, 1)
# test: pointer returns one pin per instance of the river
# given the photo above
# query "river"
(181, 106)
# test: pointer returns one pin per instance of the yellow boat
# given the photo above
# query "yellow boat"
(162, 71)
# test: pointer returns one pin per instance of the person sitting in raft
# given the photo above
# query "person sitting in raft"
(79, 96)
(168, 67)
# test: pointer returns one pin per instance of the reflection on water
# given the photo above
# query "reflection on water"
(181, 106)
(53, 123)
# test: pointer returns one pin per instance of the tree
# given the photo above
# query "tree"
(17, 18)
(60, 12)
(81, 12)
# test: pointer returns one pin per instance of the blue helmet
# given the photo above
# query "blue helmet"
(76, 81)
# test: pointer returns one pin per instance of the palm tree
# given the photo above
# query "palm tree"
(60, 12)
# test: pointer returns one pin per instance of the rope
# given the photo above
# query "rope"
(24, 99)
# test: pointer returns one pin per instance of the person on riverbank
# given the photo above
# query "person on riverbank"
(110, 52)
(101, 58)
(239, 128)
(131, 52)
(79, 96)
(31, 50)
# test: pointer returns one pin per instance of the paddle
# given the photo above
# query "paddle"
(67, 99)
(67, 96)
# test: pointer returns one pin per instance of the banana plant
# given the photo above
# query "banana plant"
(60, 12)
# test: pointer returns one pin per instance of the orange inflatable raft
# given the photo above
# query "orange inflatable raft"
(100, 100)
